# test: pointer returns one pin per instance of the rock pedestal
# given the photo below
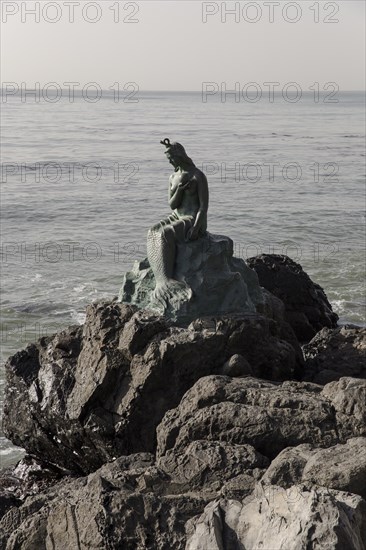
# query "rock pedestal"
(221, 284)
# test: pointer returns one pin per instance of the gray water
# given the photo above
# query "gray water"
(283, 177)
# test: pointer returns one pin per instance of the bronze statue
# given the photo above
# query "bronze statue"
(188, 199)
(189, 273)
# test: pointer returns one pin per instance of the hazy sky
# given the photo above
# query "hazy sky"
(171, 48)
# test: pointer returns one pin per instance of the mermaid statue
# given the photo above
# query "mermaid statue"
(189, 273)
(188, 199)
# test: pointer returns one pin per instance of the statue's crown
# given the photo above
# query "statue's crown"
(166, 142)
(177, 150)
(174, 147)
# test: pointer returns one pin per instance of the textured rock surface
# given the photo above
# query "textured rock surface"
(341, 467)
(275, 519)
(307, 307)
(220, 283)
(29, 477)
(237, 365)
(131, 502)
(335, 353)
(269, 417)
(126, 504)
(89, 394)
(214, 448)
(348, 397)
(250, 460)
(207, 465)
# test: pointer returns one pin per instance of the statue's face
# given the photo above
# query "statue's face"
(171, 159)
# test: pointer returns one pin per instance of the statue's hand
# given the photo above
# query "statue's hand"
(192, 234)
(186, 185)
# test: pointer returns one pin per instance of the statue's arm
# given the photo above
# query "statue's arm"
(200, 223)
(203, 193)
(203, 200)
(175, 198)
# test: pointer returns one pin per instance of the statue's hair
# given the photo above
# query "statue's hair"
(177, 150)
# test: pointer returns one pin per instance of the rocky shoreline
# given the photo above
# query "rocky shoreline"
(223, 433)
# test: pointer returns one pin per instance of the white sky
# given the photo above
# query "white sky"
(170, 48)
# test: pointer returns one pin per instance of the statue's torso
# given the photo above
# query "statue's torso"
(189, 205)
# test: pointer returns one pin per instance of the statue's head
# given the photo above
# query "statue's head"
(176, 154)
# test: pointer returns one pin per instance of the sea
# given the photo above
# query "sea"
(84, 177)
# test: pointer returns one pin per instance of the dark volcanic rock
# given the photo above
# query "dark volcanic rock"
(217, 402)
(7, 501)
(39, 381)
(213, 449)
(307, 307)
(267, 416)
(89, 394)
(29, 477)
(132, 504)
(335, 353)
(125, 504)
(274, 308)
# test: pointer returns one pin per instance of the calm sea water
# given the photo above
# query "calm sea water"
(82, 182)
